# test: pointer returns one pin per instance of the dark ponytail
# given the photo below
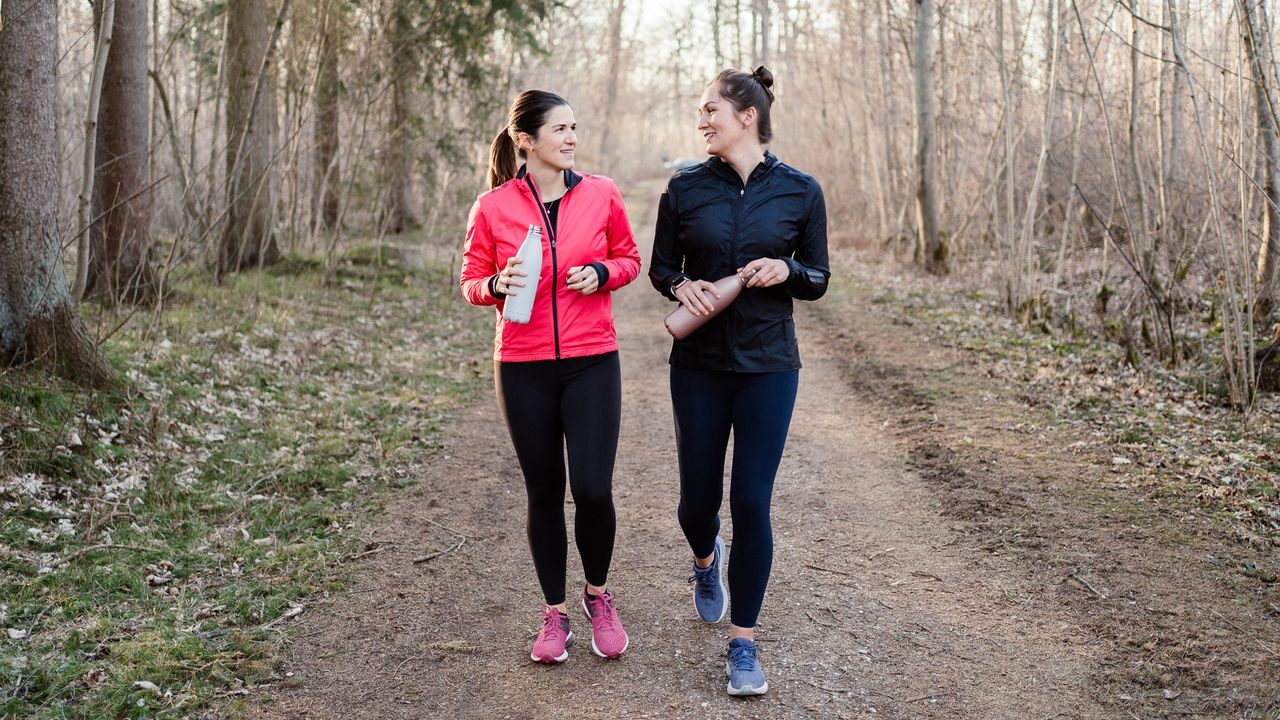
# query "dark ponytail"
(527, 115)
(746, 90)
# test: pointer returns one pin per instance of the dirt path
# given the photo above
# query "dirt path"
(881, 604)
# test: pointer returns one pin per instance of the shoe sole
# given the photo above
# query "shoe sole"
(595, 649)
(568, 641)
(724, 595)
(745, 690)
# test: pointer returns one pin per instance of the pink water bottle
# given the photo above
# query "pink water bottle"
(681, 323)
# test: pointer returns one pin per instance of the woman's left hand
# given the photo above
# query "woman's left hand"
(767, 271)
(582, 278)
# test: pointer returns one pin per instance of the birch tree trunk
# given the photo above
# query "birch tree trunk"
(930, 251)
(247, 238)
(1256, 31)
(38, 320)
(120, 244)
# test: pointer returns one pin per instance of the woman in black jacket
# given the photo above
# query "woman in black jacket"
(740, 211)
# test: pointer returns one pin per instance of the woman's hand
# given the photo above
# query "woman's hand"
(691, 295)
(509, 277)
(765, 272)
(583, 278)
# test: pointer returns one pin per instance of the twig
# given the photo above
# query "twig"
(93, 548)
(882, 552)
(446, 527)
(934, 696)
(824, 569)
(372, 551)
(833, 691)
(1085, 583)
(438, 553)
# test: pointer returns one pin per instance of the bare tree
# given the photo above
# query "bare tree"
(120, 266)
(247, 238)
(398, 156)
(325, 169)
(930, 251)
(38, 320)
(101, 50)
(1256, 30)
(611, 81)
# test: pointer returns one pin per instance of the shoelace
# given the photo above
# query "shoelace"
(743, 657)
(552, 627)
(705, 579)
(603, 612)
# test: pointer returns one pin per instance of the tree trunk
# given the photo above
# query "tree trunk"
(760, 22)
(930, 251)
(119, 240)
(611, 88)
(38, 321)
(400, 215)
(247, 238)
(1257, 45)
(324, 205)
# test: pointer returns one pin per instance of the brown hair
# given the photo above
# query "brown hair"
(527, 114)
(749, 90)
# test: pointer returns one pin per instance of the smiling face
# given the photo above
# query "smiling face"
(555, 142)
(722, 127)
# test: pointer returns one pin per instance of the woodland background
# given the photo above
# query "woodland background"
(222, 222)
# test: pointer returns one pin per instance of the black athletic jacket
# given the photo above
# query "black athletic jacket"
(709, 225)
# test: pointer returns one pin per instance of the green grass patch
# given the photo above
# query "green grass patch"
(151, 540)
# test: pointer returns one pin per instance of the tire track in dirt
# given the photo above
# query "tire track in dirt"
(874, 609)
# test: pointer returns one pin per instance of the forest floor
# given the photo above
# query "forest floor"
(966, 525)
(307, 507)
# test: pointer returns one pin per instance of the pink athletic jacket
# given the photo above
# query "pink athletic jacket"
(591, 229)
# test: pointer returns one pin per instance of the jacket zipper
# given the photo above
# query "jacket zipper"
(737, 223)
(555, 273)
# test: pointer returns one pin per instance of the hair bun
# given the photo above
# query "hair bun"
(763, 76)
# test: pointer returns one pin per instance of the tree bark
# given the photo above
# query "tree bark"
(611, 87)
(247, 238)
(930, 251)
(103, 27)
(1255, 27)
(119, 239)
(38, 321)
(760, 21)
(400, 215)
(324, 206)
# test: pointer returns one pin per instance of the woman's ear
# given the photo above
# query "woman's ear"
(748, 117)
(524, 142)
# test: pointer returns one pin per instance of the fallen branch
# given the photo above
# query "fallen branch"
(1101, 595)
(833, 691)
(438, 553)
(446, 527)
(94, 548)
(824, 569)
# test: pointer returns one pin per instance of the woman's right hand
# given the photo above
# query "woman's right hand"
(508, 278)
(691, 295)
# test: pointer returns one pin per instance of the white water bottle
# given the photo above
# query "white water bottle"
(518, 308)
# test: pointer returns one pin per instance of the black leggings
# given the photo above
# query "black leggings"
(756, 407)
(547, 405)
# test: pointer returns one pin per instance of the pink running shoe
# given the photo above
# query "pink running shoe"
(552, 645)
(608, 639)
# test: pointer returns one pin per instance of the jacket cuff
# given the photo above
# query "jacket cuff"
(493, 287)
(602, 273)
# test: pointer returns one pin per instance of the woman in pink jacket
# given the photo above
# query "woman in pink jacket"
(558, 379)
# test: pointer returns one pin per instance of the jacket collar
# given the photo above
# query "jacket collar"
(725, 171)
(571, 178)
